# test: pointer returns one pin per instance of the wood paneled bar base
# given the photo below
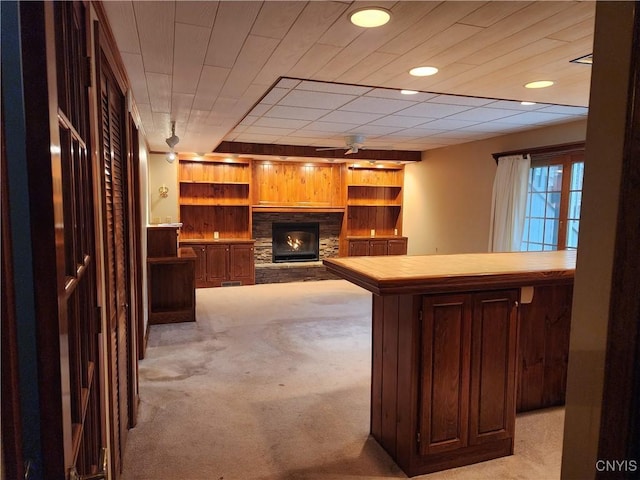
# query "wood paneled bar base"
(445, 348)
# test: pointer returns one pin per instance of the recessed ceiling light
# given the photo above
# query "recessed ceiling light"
(370, 17)
(408, 92)
(527, 103)
(539, 84)
(423, 71)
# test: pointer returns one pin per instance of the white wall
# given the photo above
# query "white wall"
(161, 172)
(447, 196)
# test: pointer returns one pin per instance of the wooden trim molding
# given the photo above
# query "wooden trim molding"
(242, 148)
(539, 153)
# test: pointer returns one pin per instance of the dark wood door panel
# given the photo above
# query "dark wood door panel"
(445, 367)
(492, 407)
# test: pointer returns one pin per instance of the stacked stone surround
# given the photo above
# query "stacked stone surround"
(269, 272)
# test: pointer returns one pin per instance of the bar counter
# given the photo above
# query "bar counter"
(445, 356)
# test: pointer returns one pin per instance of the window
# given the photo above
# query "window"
(554, 197)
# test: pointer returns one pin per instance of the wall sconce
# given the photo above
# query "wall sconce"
(172, 141)
(164, 190)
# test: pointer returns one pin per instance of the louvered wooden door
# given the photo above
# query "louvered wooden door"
(117, 255)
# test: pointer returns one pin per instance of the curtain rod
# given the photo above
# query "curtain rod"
(543, 151)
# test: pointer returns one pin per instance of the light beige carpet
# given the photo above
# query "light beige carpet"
(272, 382)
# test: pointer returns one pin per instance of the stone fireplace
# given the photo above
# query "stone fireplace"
(281, 262)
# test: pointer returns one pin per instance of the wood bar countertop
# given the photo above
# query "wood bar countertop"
(409, 274)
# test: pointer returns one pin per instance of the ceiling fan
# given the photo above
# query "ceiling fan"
(353, 143)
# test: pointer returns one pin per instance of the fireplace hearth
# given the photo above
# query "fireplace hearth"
(295, 242)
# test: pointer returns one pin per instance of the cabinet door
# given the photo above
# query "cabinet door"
(201, 264)
(242, 264)
(444, 395)
(378, 247)
(397, 246)
(358, 248)
(493, 369)
(217, 264)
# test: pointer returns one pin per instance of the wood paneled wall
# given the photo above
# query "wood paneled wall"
(299, 184)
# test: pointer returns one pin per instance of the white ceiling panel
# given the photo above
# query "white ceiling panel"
(190, 48)
(354, 118)
(232, 25)
(198, 13)
(299, 113)
(533, 118)
(309, 99)
(281, 123)
(123, 25)
(399, 121)
(481, 114)
(432, 110)
(155, 23)
(206, 65)
(376, 105)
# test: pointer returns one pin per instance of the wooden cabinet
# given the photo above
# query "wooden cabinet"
(543, 352)
(467, 374)
(224, 263)
(443, 377)
(170, 277)
(374, 208)
(376, 246)
(215, 199)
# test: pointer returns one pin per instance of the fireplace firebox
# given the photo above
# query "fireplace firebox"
(295, 242)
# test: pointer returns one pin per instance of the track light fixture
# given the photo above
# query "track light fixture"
(172, 141)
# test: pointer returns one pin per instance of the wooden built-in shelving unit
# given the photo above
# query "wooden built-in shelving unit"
(215, 196)
(221, 195)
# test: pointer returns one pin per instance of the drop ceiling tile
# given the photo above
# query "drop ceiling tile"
(298, 113)
(415, 133)
(513, 105)
(373, 130)
(248, 120)
(332, 88)
(257, 138)
(534, 118)
(376, 105)
(260, 109)
(251, 129)
(395, 94)
(281, 122)
(354, 118)
(432, 110)
(565, 110)
(482, 114)
(302, 98)
(490, 127)
(327, 127)
(274, 96)
(288, 83)
(460, 100)
(308, 133)
(399, 121)
(446, 124)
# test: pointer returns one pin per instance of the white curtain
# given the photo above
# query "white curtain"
(509, 203)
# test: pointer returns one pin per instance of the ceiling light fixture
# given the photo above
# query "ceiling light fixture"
(370, 17)
(172, 141)
(408, 92)
(423, 71)
(527, 103)
(539, 84)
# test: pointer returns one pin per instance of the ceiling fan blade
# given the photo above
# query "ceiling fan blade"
(351, 150)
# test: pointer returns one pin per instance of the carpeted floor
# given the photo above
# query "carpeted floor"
(272, 382)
